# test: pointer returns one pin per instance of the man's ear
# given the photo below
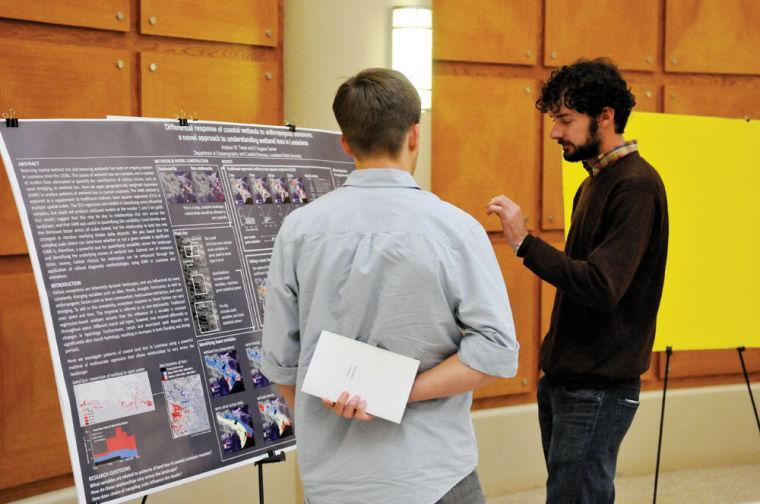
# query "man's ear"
(346, 147)
(606, 118)
(414, 137)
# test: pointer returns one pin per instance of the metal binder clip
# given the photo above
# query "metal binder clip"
(183, 118)
(11, 121)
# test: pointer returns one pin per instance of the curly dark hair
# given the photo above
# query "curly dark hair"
(588, 86)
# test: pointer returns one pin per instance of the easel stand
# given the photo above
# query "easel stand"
(668, 353)
(270, 459)
(741, 350)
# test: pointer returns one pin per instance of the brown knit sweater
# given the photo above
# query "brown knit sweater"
(609, 279)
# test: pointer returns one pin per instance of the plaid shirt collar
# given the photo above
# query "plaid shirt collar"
(595, 165)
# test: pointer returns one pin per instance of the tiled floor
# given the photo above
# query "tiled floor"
(723, 485)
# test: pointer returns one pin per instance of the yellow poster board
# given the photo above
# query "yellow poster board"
(711, 170)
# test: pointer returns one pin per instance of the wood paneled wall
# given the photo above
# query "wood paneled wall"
(490, 58)
(89, 58)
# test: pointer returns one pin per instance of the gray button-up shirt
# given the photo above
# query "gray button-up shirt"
(391, 265)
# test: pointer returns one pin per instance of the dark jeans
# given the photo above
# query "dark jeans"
(467, 491)
(581, 432)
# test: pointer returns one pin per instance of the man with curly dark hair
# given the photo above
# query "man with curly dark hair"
(609, 282)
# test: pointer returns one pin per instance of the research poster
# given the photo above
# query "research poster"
(150, 243)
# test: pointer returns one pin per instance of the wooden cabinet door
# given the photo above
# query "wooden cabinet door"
(621, 30)
(719, 101)
(522, 287)
(483, 140)
(694, 363)
(712, 36)
(647, 97)
(219, 21)
(33, 445)
(59, 80)
(552, 209)
(490, 31)
(102, 14)
(212, 89)
(12, 240)
(56, 80)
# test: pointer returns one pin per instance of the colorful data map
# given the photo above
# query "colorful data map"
(112, 398)
(186, 405)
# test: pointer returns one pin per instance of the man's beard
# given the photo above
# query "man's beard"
(587, 150)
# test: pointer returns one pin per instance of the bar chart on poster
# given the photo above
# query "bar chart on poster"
(150, 243)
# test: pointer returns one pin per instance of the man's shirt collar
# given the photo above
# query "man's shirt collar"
(595, 165)
(380, 177)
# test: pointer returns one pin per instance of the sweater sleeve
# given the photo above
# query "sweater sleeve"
(602, 279)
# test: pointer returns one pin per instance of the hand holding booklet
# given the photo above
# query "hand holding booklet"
(382, 378)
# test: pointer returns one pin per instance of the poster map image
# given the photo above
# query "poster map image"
(235, 429)
(224, 373)
(277, 423)
(112, 398)
(254, 353)
(186, 405)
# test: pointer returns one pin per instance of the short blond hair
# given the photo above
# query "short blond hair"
(375, 108)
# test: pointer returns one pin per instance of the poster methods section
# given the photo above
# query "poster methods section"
(150, 243)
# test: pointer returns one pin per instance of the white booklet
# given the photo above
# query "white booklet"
(384, 379)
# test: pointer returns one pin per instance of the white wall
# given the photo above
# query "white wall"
(327, 41)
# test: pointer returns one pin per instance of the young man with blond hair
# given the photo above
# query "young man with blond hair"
(386, 263)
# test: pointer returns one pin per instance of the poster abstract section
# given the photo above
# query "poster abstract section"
(151, 243)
